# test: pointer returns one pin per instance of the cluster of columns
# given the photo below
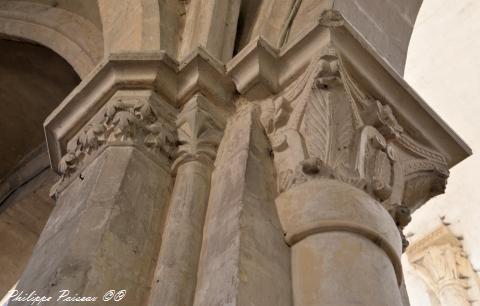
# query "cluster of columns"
(170, 190)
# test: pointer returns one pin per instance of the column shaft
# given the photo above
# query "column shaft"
(244, 260)
(342, 268)
(345, 246)
(176, 272)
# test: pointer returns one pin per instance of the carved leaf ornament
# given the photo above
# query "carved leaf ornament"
(324, 125)
(199, 135)
(125, 120)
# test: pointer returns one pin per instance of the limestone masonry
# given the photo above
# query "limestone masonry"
(217, 152)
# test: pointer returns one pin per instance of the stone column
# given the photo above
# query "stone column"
(106, 226)
(347, 176)
(345, 246)
(200, 127)
(244, 260)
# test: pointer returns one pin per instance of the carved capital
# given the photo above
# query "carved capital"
(326, 125)
(200, 127)
(440, 263)
(443, 265)
(130, 118)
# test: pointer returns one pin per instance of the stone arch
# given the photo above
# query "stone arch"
(70, 35)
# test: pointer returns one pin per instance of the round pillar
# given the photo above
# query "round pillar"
(345, 246)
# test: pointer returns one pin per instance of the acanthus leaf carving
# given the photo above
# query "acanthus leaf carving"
(326, 125)
(125, 120)
(325, 121)
(308, 120)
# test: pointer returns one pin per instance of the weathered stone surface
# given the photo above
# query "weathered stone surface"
(175, 276)
(326, 154)
(336, 269)
(345, 247)
(200, 128)
(244, 260)
(104, 230)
